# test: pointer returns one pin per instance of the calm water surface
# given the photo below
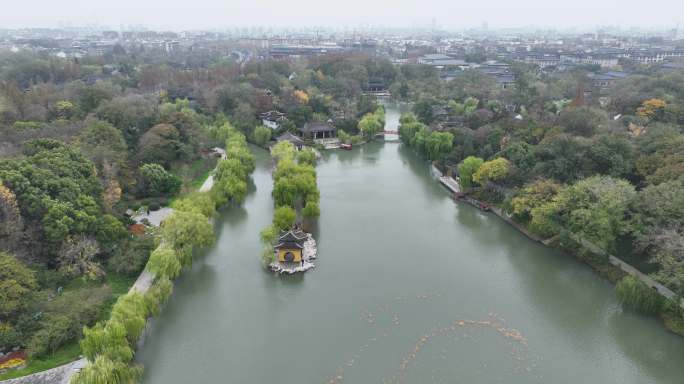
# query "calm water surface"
(409, 287)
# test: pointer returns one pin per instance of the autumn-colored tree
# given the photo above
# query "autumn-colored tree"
(301, 96)
(493, 170)
(652, 109)
(11, 222)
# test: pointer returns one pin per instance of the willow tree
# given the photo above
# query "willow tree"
(164, 262)
(370, 125)
(284, 218)
(467, 168)
(439, 144)
(108, 340)
(185, 231)
(131, 311)
(107, 371)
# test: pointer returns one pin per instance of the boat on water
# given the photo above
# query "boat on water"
(346, 147)
(475, 203)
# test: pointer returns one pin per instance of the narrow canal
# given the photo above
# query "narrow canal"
(409, 287)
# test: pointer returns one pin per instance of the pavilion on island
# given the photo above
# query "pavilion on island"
(290, 248)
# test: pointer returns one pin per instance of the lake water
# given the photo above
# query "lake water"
(409, 287)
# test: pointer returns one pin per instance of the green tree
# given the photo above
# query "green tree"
(56, 189)
(283, 150)
(106, 339)
(582, 121)
(164, 262)
(467, 168)
(107, 371)
(306, 156)
(156, 181)
(536, 204)
(160, 144)
(185, 231)
(101, 142)
(595, 208)
(229, 188)
(17, 283)
(408, 127)
(196, 202)
(439, 144)
(261, 135)
(655, 223)
(370, 125)
(423, 110)
(284, 218)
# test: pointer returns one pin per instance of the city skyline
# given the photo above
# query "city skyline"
(217, 15)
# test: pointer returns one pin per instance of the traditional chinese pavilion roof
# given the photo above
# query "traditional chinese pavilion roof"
(291, 239)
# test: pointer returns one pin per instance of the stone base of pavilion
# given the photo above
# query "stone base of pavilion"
(309, 254)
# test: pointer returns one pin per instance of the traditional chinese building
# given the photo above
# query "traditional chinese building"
(290, 247)
(318, 130)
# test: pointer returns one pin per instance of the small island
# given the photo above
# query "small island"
(288, 246)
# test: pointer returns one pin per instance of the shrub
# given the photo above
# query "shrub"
(637, 295)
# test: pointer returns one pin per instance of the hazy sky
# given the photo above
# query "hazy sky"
(449, 14)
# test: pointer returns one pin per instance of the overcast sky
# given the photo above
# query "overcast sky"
(449, 14)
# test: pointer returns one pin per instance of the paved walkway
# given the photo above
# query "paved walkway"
(450, 183)
(209, 182)
(58, 375)
(154, 217)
